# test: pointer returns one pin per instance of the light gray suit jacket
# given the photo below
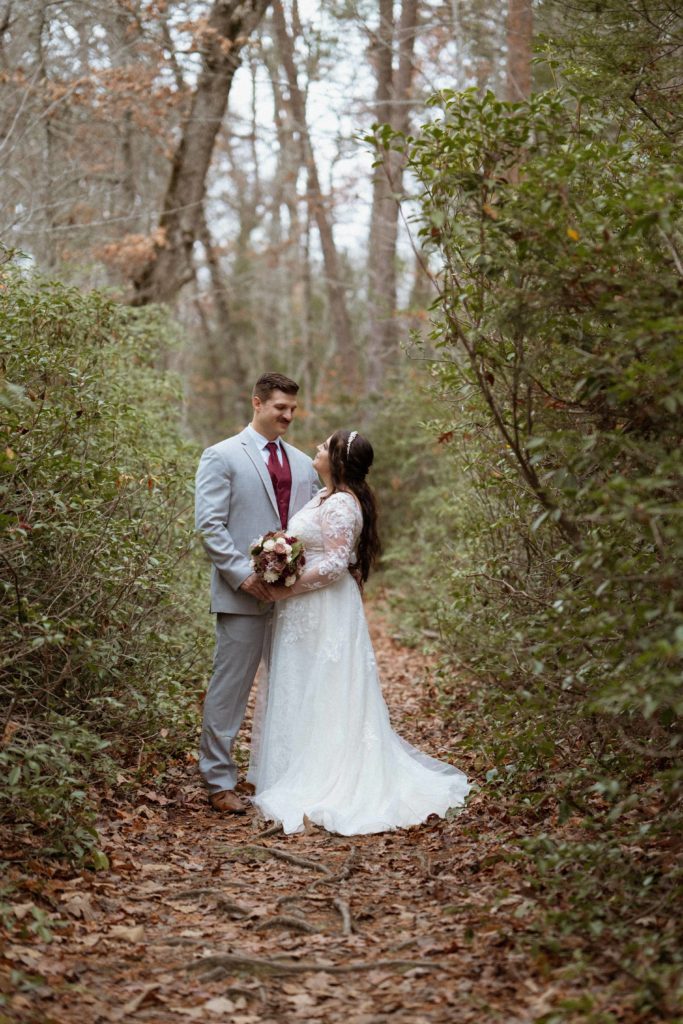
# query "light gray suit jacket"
(234, 504)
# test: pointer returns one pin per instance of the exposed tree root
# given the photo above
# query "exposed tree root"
(350, 865)
(223, 901)
(347, 921)
(287, 921)
(341, 905)
(177, 940)
(289, 858)
(234, 963)
(249, 993)
(272, 831)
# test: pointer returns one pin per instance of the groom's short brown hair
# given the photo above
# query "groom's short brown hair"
(269, 382)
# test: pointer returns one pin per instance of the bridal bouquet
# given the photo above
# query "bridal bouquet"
(277, 558)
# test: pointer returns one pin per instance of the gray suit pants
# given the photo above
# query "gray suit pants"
(242, 641)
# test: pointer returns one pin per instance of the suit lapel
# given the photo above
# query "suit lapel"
(251, 448)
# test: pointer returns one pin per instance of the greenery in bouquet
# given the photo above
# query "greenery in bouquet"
(276, 557)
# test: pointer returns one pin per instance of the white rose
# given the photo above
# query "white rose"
(269, 544)
(290, 581)
(270, 576)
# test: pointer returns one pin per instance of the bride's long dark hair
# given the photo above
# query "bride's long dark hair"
(349, 465)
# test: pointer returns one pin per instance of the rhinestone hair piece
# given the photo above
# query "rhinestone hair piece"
(352, 436)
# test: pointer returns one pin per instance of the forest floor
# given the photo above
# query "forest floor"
(216, 919)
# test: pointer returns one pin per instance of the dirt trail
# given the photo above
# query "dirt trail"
(214, 919)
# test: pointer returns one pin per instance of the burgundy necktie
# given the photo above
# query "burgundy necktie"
(282, 481)
(273, 461)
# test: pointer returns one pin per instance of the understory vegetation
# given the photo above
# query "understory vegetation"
(101, 651)
(550, 540)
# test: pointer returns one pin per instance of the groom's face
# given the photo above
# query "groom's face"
(273, 415)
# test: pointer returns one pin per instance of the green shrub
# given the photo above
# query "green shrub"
(100, 655)
(551, 537)
(563, 312)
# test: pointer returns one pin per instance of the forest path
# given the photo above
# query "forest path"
(206, 918)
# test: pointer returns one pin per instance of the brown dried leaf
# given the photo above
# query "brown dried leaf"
(129, 933)
(20, 910)
(80, 905)
(220, 1004)
(147, 995)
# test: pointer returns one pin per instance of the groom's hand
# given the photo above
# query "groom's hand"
(355, 572)
(256, 588)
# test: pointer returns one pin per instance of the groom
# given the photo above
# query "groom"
(246, 485)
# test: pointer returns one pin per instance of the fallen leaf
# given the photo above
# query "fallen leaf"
(80, 905)
(20, 910)
(183, 908)
(320, 982)
(10, 728)
(156, 798)
(146, 996)
(301, 999)
(24, 954)
(148, 869)
(219, 1005)
(129, 933)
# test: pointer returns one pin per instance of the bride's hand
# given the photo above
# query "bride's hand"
(278, 593)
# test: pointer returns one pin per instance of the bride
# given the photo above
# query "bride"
(323, 745)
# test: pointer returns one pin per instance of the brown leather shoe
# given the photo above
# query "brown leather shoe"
(227, 802)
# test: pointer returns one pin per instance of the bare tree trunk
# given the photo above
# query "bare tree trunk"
(218, 413)
(392, 106)
(224, 349)
(229, 25)
(228, 377)
(341, 323)
(306, 313)
(298, 241)
(519, 41)
(124, 28)
(51, 161)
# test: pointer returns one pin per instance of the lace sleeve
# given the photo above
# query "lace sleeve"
(338, 523)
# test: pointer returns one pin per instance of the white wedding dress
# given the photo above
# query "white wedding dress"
(322, 743)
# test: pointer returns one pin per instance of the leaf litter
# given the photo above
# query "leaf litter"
(210, 918)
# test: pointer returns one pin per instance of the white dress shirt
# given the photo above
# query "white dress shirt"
(263, 443)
